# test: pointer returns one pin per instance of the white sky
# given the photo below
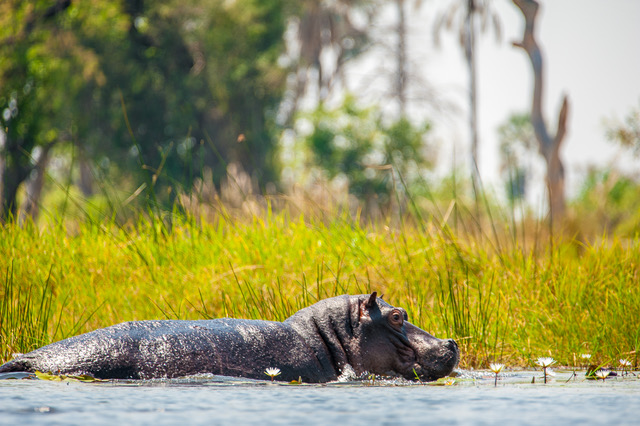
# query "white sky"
(591, 50)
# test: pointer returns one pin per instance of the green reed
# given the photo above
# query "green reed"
(500, 301)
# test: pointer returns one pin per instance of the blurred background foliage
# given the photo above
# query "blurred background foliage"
(142, 91)
(357, 148)
(107, 103)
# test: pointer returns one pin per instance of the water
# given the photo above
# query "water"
(472, 399)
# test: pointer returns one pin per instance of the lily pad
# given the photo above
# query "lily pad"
(71, 378)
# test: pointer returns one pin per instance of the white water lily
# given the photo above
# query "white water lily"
(272, 372)
(545, 362)
(625, 364)
(496, 368)
(602, 373)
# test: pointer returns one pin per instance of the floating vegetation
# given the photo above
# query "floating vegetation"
(296, 382)
(67, 378)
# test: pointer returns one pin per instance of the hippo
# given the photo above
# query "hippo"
(351, 333)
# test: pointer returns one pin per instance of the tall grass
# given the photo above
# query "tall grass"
(24, 316)
(499, 299)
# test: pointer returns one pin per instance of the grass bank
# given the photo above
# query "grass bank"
(502, 302)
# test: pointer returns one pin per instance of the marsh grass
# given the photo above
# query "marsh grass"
(27, 317)
(503, 293)
(24, 316)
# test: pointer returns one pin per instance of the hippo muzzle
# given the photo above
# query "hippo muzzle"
(434, 358)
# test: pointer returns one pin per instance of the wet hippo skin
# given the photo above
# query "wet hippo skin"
(316, 344)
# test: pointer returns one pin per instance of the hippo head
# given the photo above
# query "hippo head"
(391, 345)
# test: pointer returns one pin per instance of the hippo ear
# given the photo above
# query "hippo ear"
(372, 300)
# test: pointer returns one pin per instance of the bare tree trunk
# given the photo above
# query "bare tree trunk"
(401, 51)
(31, 204)
(15, 170)
(469, 51)
(85, 181)
(549, 146)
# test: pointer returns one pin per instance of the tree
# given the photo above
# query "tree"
(323, 27)
(401, 58)
(627, 133)
(43, 65)
(463, 15)
(548, 145)
(242, 42)
(159, 90)
(402, 75)
(517, 142)
(608, 202)
(376, 158)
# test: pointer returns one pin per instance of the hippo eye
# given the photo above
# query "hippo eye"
(396, 318)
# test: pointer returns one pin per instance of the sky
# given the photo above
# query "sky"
(591, 51)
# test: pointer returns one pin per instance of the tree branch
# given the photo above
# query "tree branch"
(529, 9)
(562, 121)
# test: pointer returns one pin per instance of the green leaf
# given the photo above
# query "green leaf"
(48, 376)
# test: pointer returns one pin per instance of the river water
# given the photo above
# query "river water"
(211, 400)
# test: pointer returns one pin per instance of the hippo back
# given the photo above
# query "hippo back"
(156, 349)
